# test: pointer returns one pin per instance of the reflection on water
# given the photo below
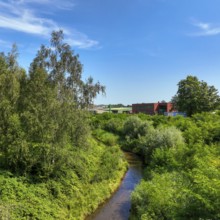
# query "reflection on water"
(118, 206)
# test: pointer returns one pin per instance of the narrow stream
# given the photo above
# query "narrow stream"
(118, 206)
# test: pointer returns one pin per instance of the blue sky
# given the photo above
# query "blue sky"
(139, 49)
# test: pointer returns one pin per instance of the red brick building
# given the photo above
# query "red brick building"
(152, 108)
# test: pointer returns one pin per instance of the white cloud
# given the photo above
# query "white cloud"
(21, 18)
(28, 24)
(5, 44)
(60, 4)
(19, 15)
(205, 29)
(80, 40)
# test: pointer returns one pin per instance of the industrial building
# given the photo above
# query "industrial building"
(152, 108)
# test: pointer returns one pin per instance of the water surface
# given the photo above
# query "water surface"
(118, 206)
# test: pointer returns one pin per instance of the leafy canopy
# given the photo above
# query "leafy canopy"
(194, 96)
(65, 71)
(42, 117)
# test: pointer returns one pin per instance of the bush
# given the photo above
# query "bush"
(106, 137)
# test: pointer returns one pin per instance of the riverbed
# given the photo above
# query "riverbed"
(118, 206)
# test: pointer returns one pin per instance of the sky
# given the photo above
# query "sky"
(138, 49)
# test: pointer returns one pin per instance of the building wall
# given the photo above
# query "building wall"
(147, 108)
(152, 108)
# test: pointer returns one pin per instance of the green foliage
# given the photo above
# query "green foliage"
(109, 122)
(114, 125)
(194, 96)
(131, 127)
(40, 116)
(49, 161)
(52, 167)
(180, 193)
(157, 199)
(181, 180)
(135, 131)
(142, 138)
(65, 71)
(107, 138)
(95, 173)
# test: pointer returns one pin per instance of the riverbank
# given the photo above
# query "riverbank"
(97, 173)
(119, 204)
(181, 157)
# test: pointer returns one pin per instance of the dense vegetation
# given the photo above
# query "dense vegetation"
(182, 163)
(194, 96)
(51, 167)
(59, 162)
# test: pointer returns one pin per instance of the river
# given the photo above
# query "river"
(118, 206)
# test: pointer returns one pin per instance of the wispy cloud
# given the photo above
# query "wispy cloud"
(20, 15)
(80, 40)
(5, 44)
(28, 23)
(60, 4)
(205, 29)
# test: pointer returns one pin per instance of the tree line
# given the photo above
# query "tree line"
(60, 162)
(42, 111)
(181, 162)
(51, 167)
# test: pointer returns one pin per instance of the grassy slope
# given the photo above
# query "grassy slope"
(74, 196)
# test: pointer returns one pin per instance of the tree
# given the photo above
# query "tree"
(12, 137)
(194, 96)
(42, 121)
(65, 71)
